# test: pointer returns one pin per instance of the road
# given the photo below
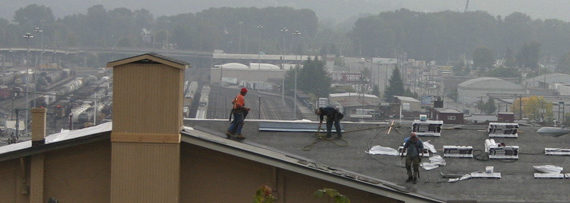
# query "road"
(272, 107)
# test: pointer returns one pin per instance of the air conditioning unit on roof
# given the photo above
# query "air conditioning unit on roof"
(503, 130)
(501, 151)
(457, 151)
(556, 152)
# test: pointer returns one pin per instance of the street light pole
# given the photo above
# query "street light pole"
(296, 34)
(283, 30)
(28, 36)
(39, 31)
(259, 28)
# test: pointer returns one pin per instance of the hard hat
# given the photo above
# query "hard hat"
(243, 90)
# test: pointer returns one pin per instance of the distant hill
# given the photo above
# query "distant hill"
(337, 10)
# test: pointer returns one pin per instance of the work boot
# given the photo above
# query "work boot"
(240, 137)
(229, 134)
(409, 179)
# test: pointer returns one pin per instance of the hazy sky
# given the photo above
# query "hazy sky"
(326, 9)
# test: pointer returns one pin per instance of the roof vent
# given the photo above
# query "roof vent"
(503, 130)
(500, 150)
(556, 152)
(457, 151)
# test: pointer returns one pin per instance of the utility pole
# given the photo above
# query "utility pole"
(259, 27)
(259, 107)
(28, 36)
(298, 35)
(520, 107)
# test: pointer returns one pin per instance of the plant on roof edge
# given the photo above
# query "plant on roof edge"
(333, 194)
(264, 195)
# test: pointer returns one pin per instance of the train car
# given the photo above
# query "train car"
(204, 96)
(75, 112)
(5, 92)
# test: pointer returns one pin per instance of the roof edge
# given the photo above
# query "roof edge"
(152, 57)
(293, 163)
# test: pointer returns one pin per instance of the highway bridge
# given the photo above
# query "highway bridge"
(16, 55)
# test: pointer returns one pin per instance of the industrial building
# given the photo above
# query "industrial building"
(356, 106)
(448, 116)
(474, 90)
(260, 74)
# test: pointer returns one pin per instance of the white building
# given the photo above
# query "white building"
(474, 90)
(547, 80)
(240, 73)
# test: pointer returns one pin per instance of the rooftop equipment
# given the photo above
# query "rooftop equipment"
(457, 151)
(503, 130)
(427, 128)
(500, 150)
(556, 152)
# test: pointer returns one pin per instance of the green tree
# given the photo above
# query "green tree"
(564, 63)
(311, 78)
(490, 106)
(395, 86)
(376, 90)
(503, 72)
(529, 55)
(34, 15)
(460, 70)
(333, 194)
(483, 57)
(510, 58)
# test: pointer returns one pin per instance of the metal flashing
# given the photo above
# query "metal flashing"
(293, 127)
(556, 152)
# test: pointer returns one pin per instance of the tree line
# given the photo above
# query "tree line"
(442, 36)
(244, 30)
(445, 36)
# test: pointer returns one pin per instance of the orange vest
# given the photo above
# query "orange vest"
(239, 101)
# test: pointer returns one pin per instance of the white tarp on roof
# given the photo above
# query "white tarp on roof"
(548, 169)
(434, 162)
(383, 151)
(430, 147)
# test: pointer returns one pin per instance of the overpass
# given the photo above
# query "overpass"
(16, 55)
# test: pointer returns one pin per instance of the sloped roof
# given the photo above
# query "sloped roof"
(246, 149)
(489, 83)
(65, 138)
(551, 78)
(154, 57)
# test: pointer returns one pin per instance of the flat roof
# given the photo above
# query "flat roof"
(517, 182)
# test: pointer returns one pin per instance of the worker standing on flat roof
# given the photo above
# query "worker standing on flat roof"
(333, 116)
(239, 112)
(413, 147)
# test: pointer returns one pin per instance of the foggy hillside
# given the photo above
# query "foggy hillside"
(338, 10)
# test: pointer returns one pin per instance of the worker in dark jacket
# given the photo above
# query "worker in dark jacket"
(333, 116)
(413, 147)
(239, 112)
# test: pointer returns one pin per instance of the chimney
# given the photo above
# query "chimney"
(147, 120)
(38, 126)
